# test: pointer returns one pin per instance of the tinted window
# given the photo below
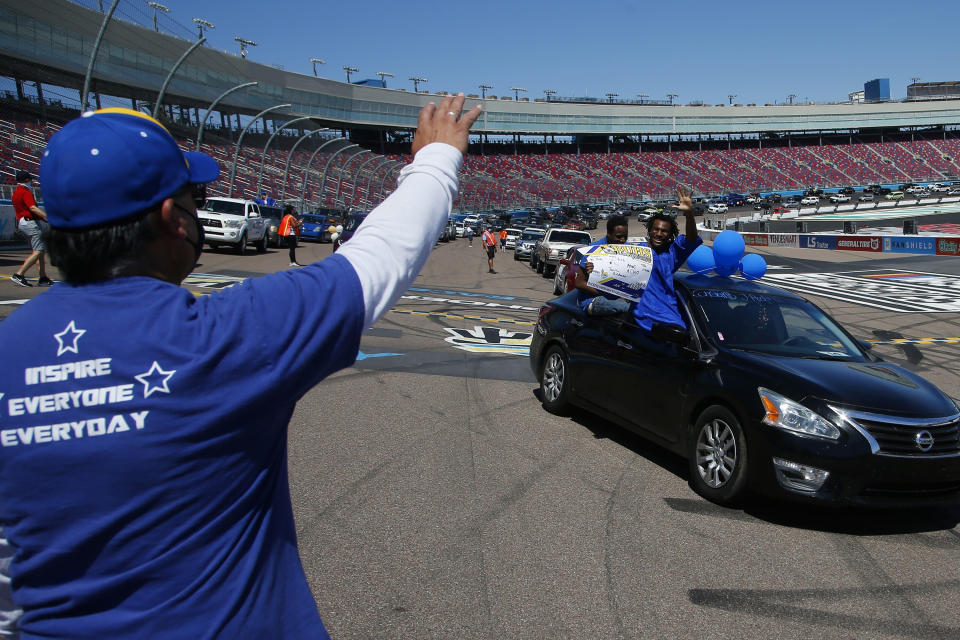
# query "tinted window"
(774, 325)
(532, 235)
(314, 219)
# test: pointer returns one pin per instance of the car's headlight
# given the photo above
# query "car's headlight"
(273, 228)
(790, 416)
(233, 224)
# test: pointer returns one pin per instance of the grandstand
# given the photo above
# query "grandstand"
(606, 152)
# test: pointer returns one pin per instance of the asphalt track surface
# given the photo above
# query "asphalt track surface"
(436, 499)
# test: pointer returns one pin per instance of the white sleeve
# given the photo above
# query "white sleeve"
(391, 246)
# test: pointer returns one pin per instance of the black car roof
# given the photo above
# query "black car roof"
(739, 285)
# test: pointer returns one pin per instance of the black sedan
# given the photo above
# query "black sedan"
(761, 392)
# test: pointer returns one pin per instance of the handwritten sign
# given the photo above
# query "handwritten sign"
(620, 269)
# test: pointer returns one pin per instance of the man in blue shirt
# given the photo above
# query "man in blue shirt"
(590, 300)
(670, 250)
(143, 430)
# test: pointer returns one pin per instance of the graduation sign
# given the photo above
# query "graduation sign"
(620, 269)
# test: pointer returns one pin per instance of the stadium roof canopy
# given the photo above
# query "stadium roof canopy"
(51, 41)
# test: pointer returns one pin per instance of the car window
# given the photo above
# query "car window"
(773, 324)
(224, 206)
(569, 236)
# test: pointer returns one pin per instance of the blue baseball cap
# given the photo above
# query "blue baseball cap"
(111, 164)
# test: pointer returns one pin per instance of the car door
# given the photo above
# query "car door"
(593, 357)
(653, 378)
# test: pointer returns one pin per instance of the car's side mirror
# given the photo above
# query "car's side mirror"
(666, 332)
(866, 346)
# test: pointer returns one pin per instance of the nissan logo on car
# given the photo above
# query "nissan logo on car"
(924, 440)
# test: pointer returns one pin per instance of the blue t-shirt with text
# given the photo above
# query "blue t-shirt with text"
(143, 466)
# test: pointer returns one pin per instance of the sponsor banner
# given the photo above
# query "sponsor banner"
(909, 244)
(482, 339)
(859, 243)
(818, 242)
(620, 269)
(782, 240)
(755, 239)
(948, 246)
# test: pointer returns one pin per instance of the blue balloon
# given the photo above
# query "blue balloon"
(753, 266)
(728, 249)
(701, 260)
(725, 271)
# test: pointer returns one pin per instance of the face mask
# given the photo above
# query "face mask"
(197, 246)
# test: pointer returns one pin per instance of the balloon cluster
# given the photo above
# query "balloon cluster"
(335, 231)
(727, 258)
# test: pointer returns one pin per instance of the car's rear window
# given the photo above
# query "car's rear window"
(569, 236)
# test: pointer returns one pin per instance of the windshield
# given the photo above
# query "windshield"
(532, 235)
(224, 206)
(773, 325)
(571, 237)
(353, 222)
(312, 218)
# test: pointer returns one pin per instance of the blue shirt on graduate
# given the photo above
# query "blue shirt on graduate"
(659, 300)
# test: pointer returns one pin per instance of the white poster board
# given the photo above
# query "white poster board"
(620, 269)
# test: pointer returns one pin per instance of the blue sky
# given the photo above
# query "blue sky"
(760, 51)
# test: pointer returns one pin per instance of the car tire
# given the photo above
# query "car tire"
(262, 245)
(717, 457)
(516, 258)
(242, 247)
(539, 266)
(555, 381)
(556, 289)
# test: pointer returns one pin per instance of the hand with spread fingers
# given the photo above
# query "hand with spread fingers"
(445, 123)
(684, 198)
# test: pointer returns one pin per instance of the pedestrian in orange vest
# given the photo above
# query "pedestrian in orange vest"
(289, 230)
(490, 246)
(503, 239)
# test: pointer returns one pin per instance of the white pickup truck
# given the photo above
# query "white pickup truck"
(554, 246)
(233, 222)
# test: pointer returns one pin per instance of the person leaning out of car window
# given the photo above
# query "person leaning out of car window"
(600, 303)
(670, 250)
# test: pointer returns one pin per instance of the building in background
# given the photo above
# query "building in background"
(928, 90)
(877, 90)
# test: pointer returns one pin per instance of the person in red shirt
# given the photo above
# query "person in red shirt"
(29, 219)
(490, 246)
(289, 230)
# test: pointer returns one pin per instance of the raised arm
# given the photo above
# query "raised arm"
(390, 247)
(685, 205)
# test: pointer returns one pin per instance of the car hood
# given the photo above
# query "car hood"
(876, 387)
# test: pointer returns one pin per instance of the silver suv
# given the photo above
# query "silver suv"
(233, 222)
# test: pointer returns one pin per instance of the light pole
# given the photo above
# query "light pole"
(93, 55)
(166, 81)
(326, 167)
(731, 96)
(343, 170)
(213, 104)
(244, 43)
(516, 92)
(548, 93)
(157, 7)
(416, 80)
(315, 62)
(672, 96)
(236, 149)
(383, 78)
(201, 25)
(611, 96)
(791, 97)
(350, 70)
(263, 155)
(355, 193)
(483, 90)
(286, 168)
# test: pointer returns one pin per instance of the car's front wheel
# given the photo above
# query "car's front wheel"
(262, 245)
(717, 455)
(555, 381)
(242, 246)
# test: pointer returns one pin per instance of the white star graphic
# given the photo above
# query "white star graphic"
(155, 379)
(69, 335)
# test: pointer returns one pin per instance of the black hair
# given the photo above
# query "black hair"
(289, 210)
(660, 215)
(616, 220)
(101, 253)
